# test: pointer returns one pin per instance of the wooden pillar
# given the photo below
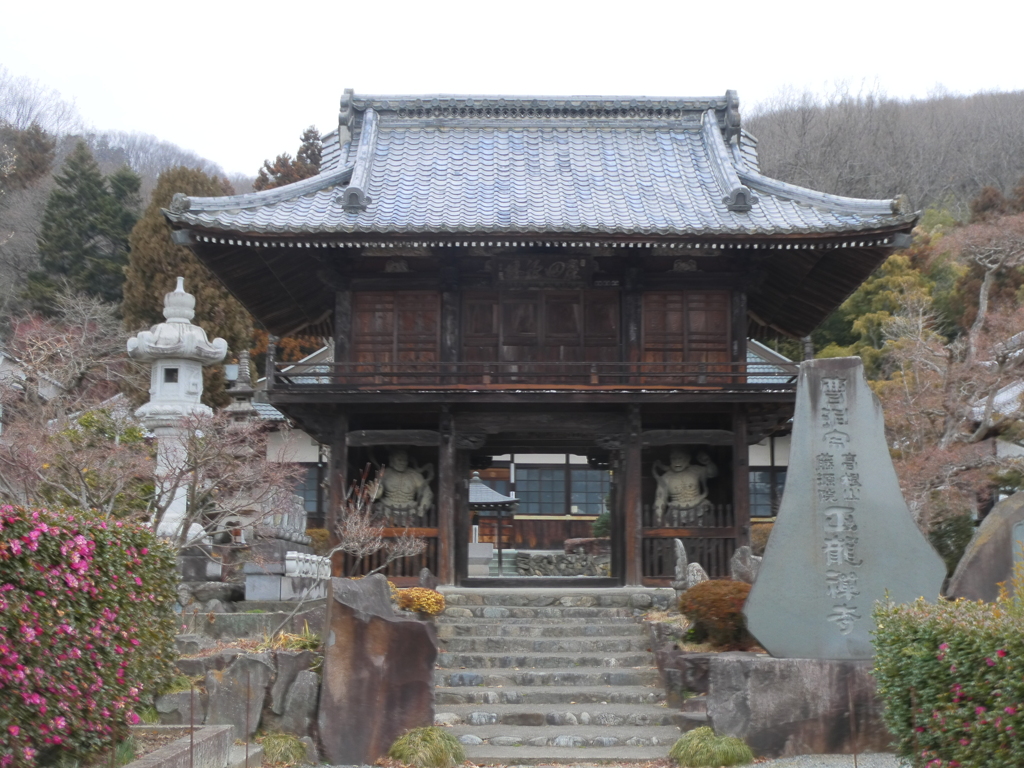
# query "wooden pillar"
(460, 548)
(447, 478)
(342, 327)
(740, 476)
(338, 483)
(632, 499)
(271, 352)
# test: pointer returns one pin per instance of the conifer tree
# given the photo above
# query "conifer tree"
(155, 262)
(83, 239)
(285, 170)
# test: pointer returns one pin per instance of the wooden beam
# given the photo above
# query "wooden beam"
(496, 423)
(447, 478)
(418, 437)
(653, 438)
(741, 476)
(632, 467)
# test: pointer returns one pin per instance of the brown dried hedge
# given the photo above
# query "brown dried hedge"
(716, 609)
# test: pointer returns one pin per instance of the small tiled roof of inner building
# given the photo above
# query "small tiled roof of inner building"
(539, 166)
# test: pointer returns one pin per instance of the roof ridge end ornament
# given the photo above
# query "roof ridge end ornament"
(180, 203)
(738, 197)
(347, 110)
(354, 198)
(733, 123)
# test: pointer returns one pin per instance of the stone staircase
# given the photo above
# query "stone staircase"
(537, 675)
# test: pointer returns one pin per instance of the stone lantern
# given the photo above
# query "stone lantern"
(177, 350)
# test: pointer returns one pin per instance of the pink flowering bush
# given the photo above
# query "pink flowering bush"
(86, 631)
(951, 676)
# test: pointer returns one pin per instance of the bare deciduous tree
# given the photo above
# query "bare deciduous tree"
(360, 531)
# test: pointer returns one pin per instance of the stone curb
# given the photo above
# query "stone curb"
(212, 745)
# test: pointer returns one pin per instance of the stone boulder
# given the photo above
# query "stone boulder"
(236, 693)
(744, 565)
(378, 674)
(783, 707)
(695, 575)
(992, 553)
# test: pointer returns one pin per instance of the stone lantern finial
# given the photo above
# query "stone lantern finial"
(179, 306)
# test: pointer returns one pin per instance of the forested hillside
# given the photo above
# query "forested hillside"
(940, 152)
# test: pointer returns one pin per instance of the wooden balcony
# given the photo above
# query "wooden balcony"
(522, 377)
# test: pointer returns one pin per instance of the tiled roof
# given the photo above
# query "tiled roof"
(481, 494)
(267, 412)
(539, 166)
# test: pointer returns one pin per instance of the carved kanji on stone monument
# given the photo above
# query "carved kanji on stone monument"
(844, 536)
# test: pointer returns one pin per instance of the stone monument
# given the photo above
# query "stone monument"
(177, 351)
(993, 553)
(844, 536)
(682, 494)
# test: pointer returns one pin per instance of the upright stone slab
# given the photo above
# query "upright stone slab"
(378, 677)
(990, 558)
(844, 535)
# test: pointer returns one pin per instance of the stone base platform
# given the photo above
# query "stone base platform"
(779, 707)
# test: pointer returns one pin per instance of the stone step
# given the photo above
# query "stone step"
(534, 695)
(584, 676)
(542, 661)
(487, 754)
(543, 621)
(605, 715)
(556, 628)
(548, 612)
(500, 735)
(638, 643)
(623, 597)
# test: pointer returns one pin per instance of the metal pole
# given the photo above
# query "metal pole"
(191, 724)
(248, 695)
(853, 721)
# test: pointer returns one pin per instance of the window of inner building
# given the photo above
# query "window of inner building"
(766, 491)
(541, 490)
(560, 489)
(308, 488)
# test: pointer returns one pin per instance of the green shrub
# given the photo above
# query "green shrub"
(602, 527)
(952, 679)
(700, 748)
(86, 631)
(430, 747)
(716, 609)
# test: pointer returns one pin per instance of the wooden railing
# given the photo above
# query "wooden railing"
(709, 540)
(750, 377)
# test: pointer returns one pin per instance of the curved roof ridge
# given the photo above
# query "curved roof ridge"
(897, 206)
(263, 197)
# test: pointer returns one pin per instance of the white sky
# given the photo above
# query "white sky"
(238, 81)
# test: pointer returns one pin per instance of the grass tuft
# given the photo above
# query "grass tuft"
(282, 749)
(700, 748)
(430, 747)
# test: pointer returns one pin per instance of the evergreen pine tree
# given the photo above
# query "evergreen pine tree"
(155, 262)
(83, 238)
